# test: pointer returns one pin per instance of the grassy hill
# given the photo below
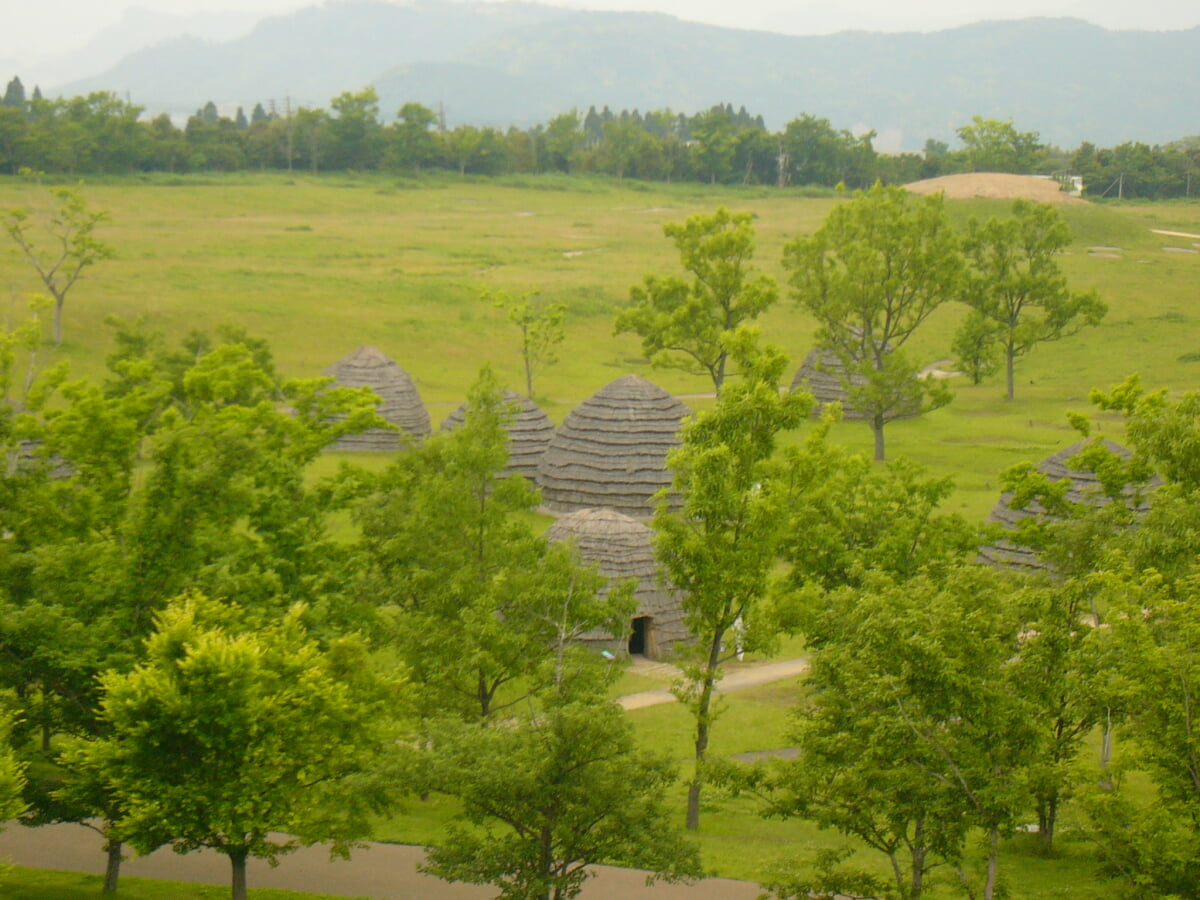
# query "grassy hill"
(322, 266)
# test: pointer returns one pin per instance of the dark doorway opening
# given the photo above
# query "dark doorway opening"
(638, 639)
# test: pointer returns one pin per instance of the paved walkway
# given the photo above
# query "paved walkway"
(738, 679)
(380, 871)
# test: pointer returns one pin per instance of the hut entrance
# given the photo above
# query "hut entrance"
(641, 641)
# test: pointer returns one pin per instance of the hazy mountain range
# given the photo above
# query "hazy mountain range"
(515, 63)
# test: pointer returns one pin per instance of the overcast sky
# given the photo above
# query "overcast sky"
(34, 29)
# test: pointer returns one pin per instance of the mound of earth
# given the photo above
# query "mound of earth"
(994, 185)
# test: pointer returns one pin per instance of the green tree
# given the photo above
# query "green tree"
(541, 327)
(976, 346)
(1015, 281)
(14, 94)
(719, 549)
(912, 730)
(189, 757)
(71, 244)
(687, 324)
(472, 600)
(996, 146)
(564, 139)
(871, 275)
(412, 143)
(849, 519)
(355, 134)
(554, 793)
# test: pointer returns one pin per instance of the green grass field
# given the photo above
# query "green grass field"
(321, 266)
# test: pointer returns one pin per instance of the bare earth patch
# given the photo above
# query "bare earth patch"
(994, 185)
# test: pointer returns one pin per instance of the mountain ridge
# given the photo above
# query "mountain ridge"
(490, 64)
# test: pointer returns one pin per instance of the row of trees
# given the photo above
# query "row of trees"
(102, 133)
(871, 275)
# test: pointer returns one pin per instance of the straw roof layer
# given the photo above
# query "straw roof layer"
(370, 367)
(1084, 488)
(611, 451)
(529, 433)
(622, 548)
(821, 374)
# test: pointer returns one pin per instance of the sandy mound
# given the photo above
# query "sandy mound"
(994, 185)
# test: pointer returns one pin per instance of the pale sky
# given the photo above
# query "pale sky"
(43, 28)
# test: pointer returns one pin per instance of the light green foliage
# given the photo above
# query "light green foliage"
(1062, 672)
(1017, 284)
(236, 727)
(354, 129)
(411, 143)
(12, 771)
(912, 730)
(686, 324)
(720, 548)
(473, 600)
(69, 247)
(552, 793)
(541, 326)
(976, 347)
(1155, 635)
(871, 275)
(849, 520)
(992, 145)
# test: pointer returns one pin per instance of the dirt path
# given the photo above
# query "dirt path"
(737, 680)
(1182, 234)
(380, 872)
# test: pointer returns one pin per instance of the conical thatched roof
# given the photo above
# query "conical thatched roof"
(821, 374)
(622, 548)
(612, 450)
(1084, 488)
(529, 433)
(370, 367)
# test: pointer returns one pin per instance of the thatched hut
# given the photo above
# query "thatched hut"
(822, 374)
(370, 367)
(611, 451)
(1083, 488)
(529, 433)
(622, 548)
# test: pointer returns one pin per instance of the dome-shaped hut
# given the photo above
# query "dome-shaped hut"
(1083, 488)
(529, 433)
(822, 374)
(370, 367)
(622, 548)
(611, 451)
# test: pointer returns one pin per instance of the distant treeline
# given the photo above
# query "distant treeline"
(100, 133)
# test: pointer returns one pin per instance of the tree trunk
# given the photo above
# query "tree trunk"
(877, 430)
(238, 860)
(989, 886)
(58, 308)
(702, 727)
(112, 868)
(919, 852)
(1009, 358)
(545, 861)
(1047, 817)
